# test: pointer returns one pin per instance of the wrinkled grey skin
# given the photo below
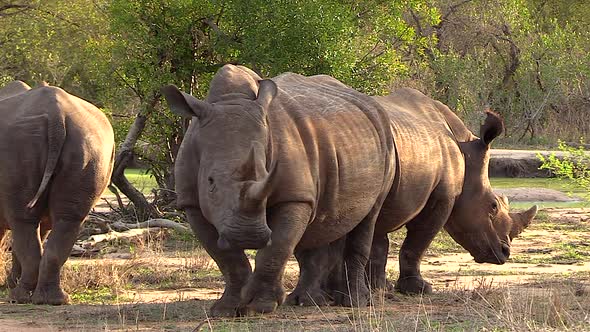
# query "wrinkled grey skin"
(441, 180)
(280, 165)
(56, 158)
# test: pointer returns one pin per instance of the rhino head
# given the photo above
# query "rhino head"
(231, 137)
(480, 221)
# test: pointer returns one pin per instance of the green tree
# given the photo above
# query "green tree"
(185, 42)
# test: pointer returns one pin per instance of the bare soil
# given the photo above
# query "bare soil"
(536, 195)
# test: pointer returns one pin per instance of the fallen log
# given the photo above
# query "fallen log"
(158, 222)
(114, 235)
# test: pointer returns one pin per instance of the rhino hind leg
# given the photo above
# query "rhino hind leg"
(72, 195)
(315, 268)
(378, 262)
(233, 263)
(354, 291)
(57, 250)
(26, 248)
(421, 231)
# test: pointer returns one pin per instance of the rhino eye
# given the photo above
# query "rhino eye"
(494, 207)
(211, 184)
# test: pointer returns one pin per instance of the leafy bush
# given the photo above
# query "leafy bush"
(573, 165)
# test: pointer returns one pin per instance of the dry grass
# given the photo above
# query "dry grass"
(5, 258)
(538, 303)
(147, 267)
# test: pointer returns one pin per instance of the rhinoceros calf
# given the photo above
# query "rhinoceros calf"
(278, 164)
(441, 180)
(56, 159)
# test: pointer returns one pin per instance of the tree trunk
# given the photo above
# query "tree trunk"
(143, 209)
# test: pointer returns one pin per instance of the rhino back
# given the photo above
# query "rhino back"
(429, 160)
(335, 150)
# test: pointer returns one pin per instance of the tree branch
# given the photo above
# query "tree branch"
(451, 11)
(13, 9)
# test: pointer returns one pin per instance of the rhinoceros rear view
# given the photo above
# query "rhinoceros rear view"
(56, 158)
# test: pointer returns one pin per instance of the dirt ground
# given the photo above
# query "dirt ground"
(544, 286)
(536, 195)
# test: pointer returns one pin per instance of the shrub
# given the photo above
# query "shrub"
(573, 165)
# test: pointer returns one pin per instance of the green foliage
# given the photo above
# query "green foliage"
(574, 165)
(101, 295)
(527, 59)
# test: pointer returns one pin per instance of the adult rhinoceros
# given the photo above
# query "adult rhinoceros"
(278, 164)
(56, 158)
(441, 180)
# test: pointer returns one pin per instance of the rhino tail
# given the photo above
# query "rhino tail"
(56, 136)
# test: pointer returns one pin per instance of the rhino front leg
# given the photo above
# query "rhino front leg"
(264, 291)
(421, 231)
(233, 263)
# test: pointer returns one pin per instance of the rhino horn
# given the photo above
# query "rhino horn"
(259, 190)
(254, 168)
(522, 220)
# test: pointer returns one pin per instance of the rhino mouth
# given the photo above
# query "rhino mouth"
(497, 256)
(245, 239)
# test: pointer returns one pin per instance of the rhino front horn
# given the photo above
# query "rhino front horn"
(260, 190)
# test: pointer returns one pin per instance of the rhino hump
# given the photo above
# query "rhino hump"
(13, 88)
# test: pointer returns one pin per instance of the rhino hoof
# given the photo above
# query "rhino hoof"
(261, 297)
(19, 295)
(225, 307)
(360, 297)
(308, 298)
(259, 307)
(413, 286)
(51, 296)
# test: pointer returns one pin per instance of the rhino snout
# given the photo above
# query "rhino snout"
(245, 239)
(497, 256)
(505, 251)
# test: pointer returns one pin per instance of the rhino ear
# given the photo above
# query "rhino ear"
(184, 104)
(522, 220)
(492, 127)
(267, 90)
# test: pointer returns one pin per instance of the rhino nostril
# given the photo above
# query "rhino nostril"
(506, 251)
